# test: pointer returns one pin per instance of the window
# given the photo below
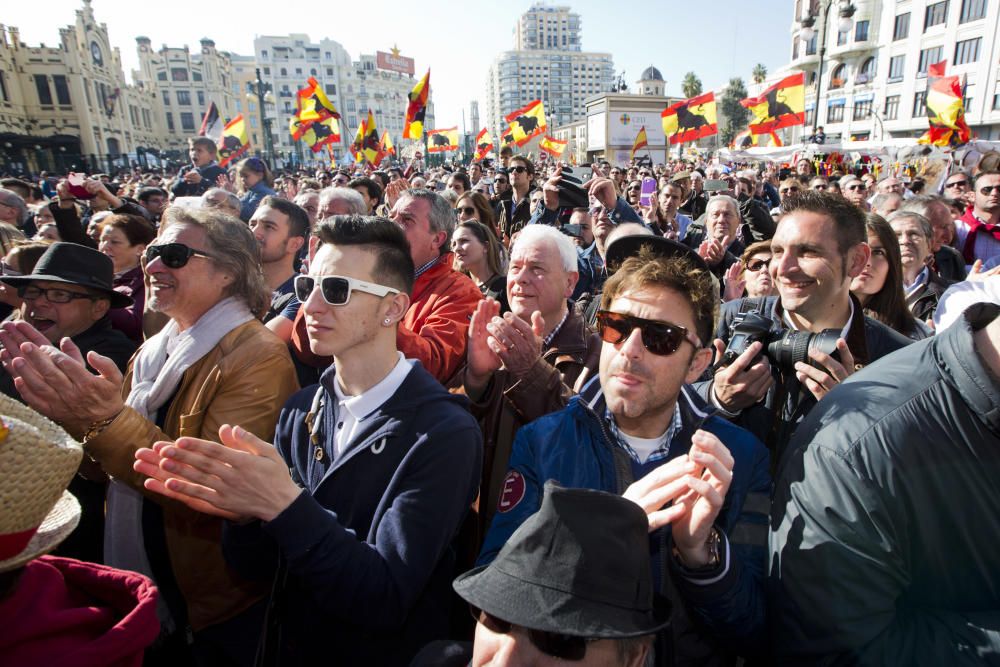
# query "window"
(350, 106)
(896, 64)
(170, 121)
(44, 92)
(201, 98)
(837, 79)
(196, 76)
(972, 10)
(62, 89)
(863, 110)
(187, 121)
(901, 29)
(920, 105)
(313, 71)
(811, 46)
(935, 14)
(330, 89)
(166, 97)
(284, 72)
(928, 57)
(861, 31)
(891, 107)
(867, 72)
(298, 71)
(835, 112)
(967, 51)
(329, 71)
(161, 75)
(996, 102)
(178, 74)
(184, 97)
(3, 88)
(841, 38)
(267, 71)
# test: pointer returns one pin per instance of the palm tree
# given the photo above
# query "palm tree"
(691, 85)
(759, 73)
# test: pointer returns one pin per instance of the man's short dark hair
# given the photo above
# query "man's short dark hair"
(147, 192)
(298, 219)
(373, 189)
(990, 172)
(381, 237)
(205, 143)
(848, 219)
(525, 161)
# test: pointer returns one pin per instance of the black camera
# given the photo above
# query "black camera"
(572, 194)
(783, 348)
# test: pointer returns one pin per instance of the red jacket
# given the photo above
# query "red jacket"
(435, 328)
(73, 614)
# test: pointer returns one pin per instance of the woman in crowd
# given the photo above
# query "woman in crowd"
(256, 183)
(879, 288)
(18, 261)
(751, 275)
(124, 239)
(10, 236)
(477, 254)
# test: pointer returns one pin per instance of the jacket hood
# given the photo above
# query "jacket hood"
(65, 611)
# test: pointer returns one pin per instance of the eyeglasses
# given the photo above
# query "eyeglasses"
(660, 338)
(819, 186)
(519, 169)
(173, 255)
(54, 294)
(986, 189)
(957, 184)
(756, 265)
(8, 270)
(467, 210)
(336, 290)
(598, 209)
(501, 181)
(634, 188)
(552, 644)
(786, 191)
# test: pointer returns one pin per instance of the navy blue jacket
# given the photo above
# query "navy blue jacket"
(365, 551)
(714, 617)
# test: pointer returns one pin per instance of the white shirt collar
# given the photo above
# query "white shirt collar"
(364, 404)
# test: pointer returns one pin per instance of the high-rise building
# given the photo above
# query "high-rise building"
(873, 83)
(547, 63)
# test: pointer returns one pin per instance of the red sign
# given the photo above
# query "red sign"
(512, 492)
(394, 62)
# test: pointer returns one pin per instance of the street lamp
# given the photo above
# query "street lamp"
(807, 31)
(260, 91)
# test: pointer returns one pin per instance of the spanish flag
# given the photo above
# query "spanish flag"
(945, 110)
(507, 138)
(439, 141)
(367, 146)
(387, 147)
(413, 128)
(527, 122)
(296, 127)
(781, 105)
(484, 143)
(234, 141)
(313, 104)
(320, 133)
(640, 141)
(553, 147)
(690, 120)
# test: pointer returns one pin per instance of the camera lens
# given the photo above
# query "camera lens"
(794, 346)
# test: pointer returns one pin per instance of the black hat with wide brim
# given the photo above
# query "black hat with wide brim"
(580, 566)
(624, 247)
(75, 264)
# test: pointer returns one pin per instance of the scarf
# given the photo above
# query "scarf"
(975, 226)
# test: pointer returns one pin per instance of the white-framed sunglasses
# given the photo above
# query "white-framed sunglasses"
(336, 290)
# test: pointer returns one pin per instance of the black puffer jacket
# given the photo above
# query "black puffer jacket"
(886, 517)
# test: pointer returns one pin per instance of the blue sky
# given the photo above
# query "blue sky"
(716, 40)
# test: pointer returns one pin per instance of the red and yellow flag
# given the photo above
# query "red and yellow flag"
(234, 141)
(367, 146)
(413, 128)
(690, 119)
(640, 141)
(320, 133)
(553, 147)
(527, 122)
(313, 104)
(945, 109)
(439, 141)
(387, 147)
(484, 143)
(781, 105)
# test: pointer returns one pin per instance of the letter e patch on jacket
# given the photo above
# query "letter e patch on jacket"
(512, 492)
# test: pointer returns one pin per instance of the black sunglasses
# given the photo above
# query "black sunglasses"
(986, 189)
(336, 290)
(173, 255)
(955, 184)
(660, 338)
(519, 169)
(467, 210)
(855, 187)
(552, 644)
(756, 265)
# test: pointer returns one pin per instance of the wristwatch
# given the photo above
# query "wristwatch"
(713, 553)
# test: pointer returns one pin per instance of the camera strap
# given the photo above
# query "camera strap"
(751, 305)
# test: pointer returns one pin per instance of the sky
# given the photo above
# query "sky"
(717, 40)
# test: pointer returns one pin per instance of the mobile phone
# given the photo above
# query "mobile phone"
(75, 183)
(648, 191)
(716, 185)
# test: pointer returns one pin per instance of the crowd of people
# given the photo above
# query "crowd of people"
(692, 413)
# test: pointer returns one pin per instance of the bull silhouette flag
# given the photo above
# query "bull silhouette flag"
(320, 133)
(234, 141)
(313, 104)
(553, 147)
(413, 128)
(781, 105)
(690, 120)
(367, 146)
(387, 146)
(439, 141)
(527, 122)
(945, 110)
(484, 143)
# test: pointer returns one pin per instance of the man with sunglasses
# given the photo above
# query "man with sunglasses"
(853, 190)
(372, 472)
(639, 430)
(514, 214)
(959, 186)
(977, 233)
(948, 262)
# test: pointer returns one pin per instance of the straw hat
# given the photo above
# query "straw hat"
(37, 461)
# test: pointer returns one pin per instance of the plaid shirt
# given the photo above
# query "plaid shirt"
(426, 266)
(661, 452)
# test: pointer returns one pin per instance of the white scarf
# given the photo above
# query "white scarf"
(156, 375)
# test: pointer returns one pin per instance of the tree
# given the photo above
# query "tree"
(736, 115)
(759, 73)
(691, 85)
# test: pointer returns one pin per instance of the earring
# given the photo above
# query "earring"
(387, 321)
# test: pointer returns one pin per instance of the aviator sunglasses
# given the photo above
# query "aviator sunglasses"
(660, 338)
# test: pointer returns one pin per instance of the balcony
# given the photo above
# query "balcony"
(864, 78)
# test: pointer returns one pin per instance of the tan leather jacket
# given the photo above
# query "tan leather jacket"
(244, 380)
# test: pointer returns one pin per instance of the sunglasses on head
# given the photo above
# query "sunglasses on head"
(336, 290)
(467, 210)
(660, 338)
(552, 644)
(173, 255)
(756, 265)
(986, 189)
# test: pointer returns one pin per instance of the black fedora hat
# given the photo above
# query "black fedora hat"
(75, 264)
(579, 566)
(624, 247)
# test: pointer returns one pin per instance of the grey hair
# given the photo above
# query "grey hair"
(349, 195)
(536, 233)
(231, 199)
(883, 198)
(925, 224)
(440, 214)
(725, 198)
(922, 204)
(14, 200)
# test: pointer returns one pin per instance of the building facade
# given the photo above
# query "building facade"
(873, 83)
(547, 63)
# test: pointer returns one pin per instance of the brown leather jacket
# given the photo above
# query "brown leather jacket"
(508, 403)
(245, 379)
